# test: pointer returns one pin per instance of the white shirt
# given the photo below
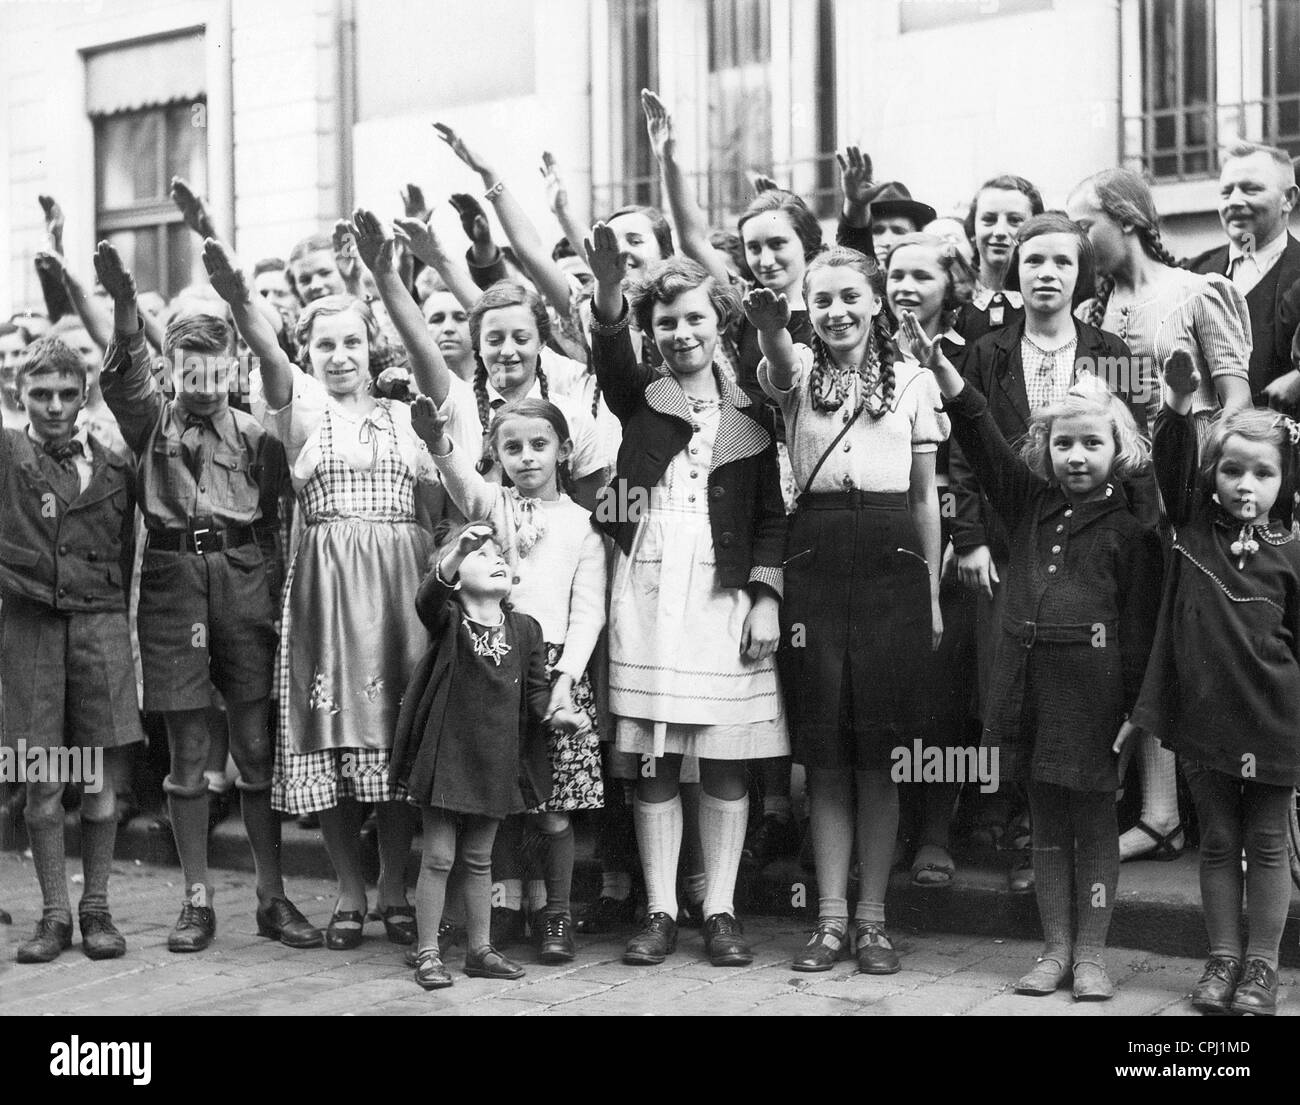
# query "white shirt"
(1248, 269)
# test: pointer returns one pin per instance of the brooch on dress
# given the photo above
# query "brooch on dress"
(491, 643)
(1245, 546)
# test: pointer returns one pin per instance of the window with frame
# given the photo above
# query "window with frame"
(1179, 131)
(1281, 69)
(740, 101)
(147, 104)
(633, 33)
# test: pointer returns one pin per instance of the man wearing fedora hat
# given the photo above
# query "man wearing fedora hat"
(887, 209)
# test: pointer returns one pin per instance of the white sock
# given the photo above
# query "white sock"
(616, 885)
(722, 836)
(659, 838)
(536, 895)
(1159, 783)
(510, 893)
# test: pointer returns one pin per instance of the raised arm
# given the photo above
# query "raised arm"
(192, 208)
(128, 383)
(229, 282)
(1173, 439)
(419, 237)
(769, 314)
(376, 251)
(854, 229)
(622, 379)
(519, 228)
(94, 318)
(557, 195)
(346, 259)
(692, 227)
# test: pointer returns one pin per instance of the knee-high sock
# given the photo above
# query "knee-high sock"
(558, 863)
(1053, 850)
(97, 841)
(1268, 874)
(50, 859)
(659, 840)
(722, 835)
(1096, 870)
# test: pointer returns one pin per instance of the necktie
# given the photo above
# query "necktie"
(65, 452)
(65, 477)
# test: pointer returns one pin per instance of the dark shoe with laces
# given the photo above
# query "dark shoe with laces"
(827, 946)
(876, 955)
(656, 941)
(606, 914)
(490, 963)
(1256, 994)
(725, 943)
(281, 920)
(507, 926)
(99, 936)
(1214, 990)
(430, 972)
(50, 938)
(775, 838)
(555, 937)
(195, 928)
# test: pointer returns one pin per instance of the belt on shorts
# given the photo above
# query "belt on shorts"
(202, 541)
(853, 500)
(1028, 634)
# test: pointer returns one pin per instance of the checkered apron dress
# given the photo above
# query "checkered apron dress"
(350, 636)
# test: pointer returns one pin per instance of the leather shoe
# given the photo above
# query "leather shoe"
(826, 947)
(489, 963)
(606, 914)
(1049, 974)
(99, 936)
(876, 955)
(399, 924)
(656, 941)
(555, 938)
(195, 928)
(50, 938)
(281, 920)
(724, 942)
(1214, 990)
(1256, 994)
(430, 972)
(448, 934)
(345, 930)
(1091, 982)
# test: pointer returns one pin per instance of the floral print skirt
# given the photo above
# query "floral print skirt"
(576, 779)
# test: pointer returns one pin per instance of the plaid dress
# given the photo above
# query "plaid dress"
(350, 636)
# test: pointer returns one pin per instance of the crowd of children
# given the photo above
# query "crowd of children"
(625, 528)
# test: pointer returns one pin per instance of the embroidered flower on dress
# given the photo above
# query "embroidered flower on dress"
(320, 697)
(491, 643)
(373, 689)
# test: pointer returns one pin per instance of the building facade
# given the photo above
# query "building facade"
(288, 112)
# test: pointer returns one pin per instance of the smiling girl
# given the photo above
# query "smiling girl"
(862, 570)
(1000, 208)
(697, 518)
(350, 636)
(1075, 637)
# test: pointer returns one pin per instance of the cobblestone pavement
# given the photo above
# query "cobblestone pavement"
(242, 974)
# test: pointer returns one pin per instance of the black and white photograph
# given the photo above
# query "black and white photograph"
(623, 508)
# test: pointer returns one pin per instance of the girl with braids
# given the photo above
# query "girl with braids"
(1000, 207)
(696, 514)
(350, 637)
(862, 610)
(1158, 309)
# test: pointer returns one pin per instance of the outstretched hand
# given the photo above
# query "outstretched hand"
(916, 344)
(474, 537)
(658, 124)
(113, 274)
(557, 195)
(373, 245)
(855, 177)
(1180, 373)
(414, 203)
(472, 218)
(50, 263)
(53, 222)
(766, 310)
(607, 261)
(429, 425)
(227, 280)
(764, 183)
(420, 238)
(346, 257)
(192, 208)
(460, 149)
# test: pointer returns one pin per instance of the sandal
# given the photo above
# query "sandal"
(1163, 849)
(933, 867)
(1049, 974)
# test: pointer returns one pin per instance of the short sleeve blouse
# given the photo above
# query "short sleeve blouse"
(876, 453)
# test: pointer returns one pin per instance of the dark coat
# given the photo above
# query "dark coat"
(994, 367)
(746, 512)
(68, 552)
(473, 752)
(1079, 620)
(1224, 678)
(1274, 314)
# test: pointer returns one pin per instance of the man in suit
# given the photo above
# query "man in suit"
(1257, 192)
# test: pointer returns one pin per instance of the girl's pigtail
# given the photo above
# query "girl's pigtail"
(1097, 312)
(1156, 247)
(881, 349)
(486, 461)
(541, 379)
(817, 375)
